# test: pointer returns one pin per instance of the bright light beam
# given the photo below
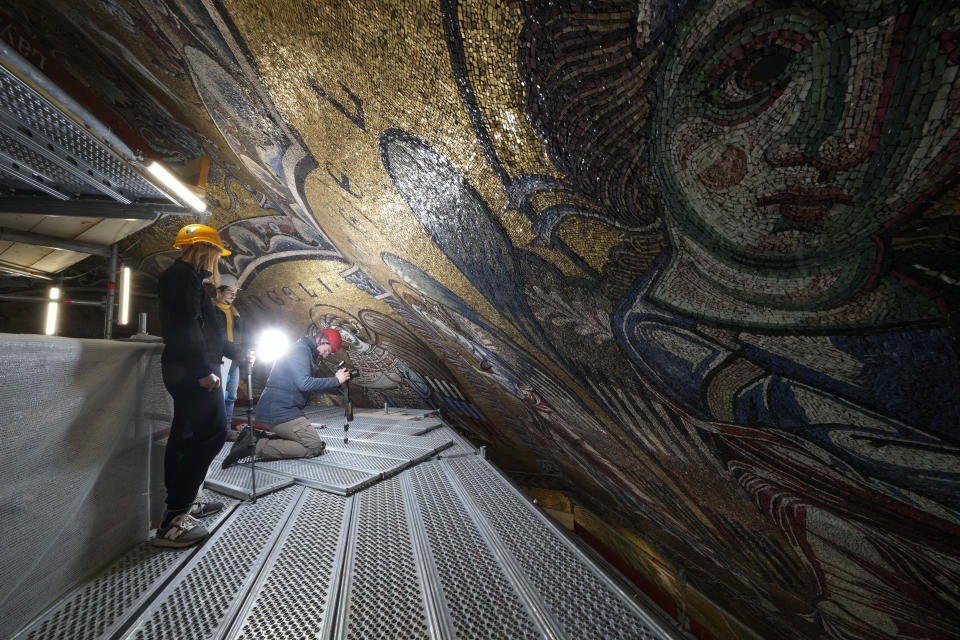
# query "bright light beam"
(272, 344)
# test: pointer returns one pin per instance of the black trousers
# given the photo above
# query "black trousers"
(196, 435)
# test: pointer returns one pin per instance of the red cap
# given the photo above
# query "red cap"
(333, 337)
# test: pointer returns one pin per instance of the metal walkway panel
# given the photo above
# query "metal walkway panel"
(237, 481)
(105, 604)
(382, 595)
(293, 596)
(386, 450)
(478, 599)
(402, 429)
(305, 471)
(65, 150)
(203, 598)
(409, 412)
(587, 603)
(446, 550)
(426, 441)
(387, 422)
(394, 413)
(410, 428)
(461, 446)
(224, 450)
(323, 413)
(362, 462)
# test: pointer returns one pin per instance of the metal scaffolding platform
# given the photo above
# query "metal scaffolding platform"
(440, 548)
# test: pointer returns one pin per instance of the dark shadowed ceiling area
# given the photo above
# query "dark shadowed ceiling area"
(689, 266)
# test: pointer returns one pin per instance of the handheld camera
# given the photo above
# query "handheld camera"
(353, 372)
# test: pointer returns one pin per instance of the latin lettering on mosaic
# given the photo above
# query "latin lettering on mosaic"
(274, 297)
(290, 294)
(344, 183)
(355, 116)
(309, 293)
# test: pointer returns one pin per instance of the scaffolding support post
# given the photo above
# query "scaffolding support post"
(111, 294)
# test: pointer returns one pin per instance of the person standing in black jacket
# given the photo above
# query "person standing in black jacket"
(193, 348)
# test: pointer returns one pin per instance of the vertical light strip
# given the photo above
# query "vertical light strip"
(126, 284)
(52, 308)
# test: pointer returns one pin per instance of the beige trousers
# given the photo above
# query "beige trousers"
(298, 439)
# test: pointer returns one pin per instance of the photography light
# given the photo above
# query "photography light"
(272, 344)
(176, 186)
(126, 283)
(52, 308)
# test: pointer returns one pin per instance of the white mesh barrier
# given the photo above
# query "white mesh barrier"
(82, 424)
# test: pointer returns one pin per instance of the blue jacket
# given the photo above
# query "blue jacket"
(290, 384)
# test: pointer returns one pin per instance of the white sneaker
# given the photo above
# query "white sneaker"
(183, 531)
(204, 509)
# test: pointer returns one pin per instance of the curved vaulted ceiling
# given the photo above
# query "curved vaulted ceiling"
(692, 262)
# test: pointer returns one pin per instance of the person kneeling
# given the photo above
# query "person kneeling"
(287, 391)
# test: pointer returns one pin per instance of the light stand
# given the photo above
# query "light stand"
(245, 445)
(253, 432)
(347, 405)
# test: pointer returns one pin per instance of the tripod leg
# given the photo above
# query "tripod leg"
(253, 432)
(347, 410)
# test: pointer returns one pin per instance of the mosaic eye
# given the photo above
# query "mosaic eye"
(753, 75)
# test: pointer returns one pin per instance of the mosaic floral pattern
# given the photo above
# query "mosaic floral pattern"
(692, 260)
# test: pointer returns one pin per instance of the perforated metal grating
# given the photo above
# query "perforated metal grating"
(343, 469)
(237, 481)
(363, 462)
(447, 549)
(461, 446)
(321, 413)
(321, 476)
(582, 599)
(293, 597)
(25, 161)
(41, 120)
(479, 597)
(383, 449)
(10, 178)
(411, 428)
(382, 595)
(102, 605)
(408, 412)
(428, 441)
(394, 413)
(201, 599)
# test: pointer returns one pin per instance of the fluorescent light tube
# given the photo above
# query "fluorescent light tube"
(52, 308)
(176, 186)
(126, 283)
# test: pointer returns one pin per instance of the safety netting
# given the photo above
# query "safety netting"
(82, 429)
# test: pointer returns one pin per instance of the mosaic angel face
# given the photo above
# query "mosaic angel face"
(788, 135)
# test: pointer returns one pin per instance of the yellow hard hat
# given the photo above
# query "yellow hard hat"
(194, 233)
